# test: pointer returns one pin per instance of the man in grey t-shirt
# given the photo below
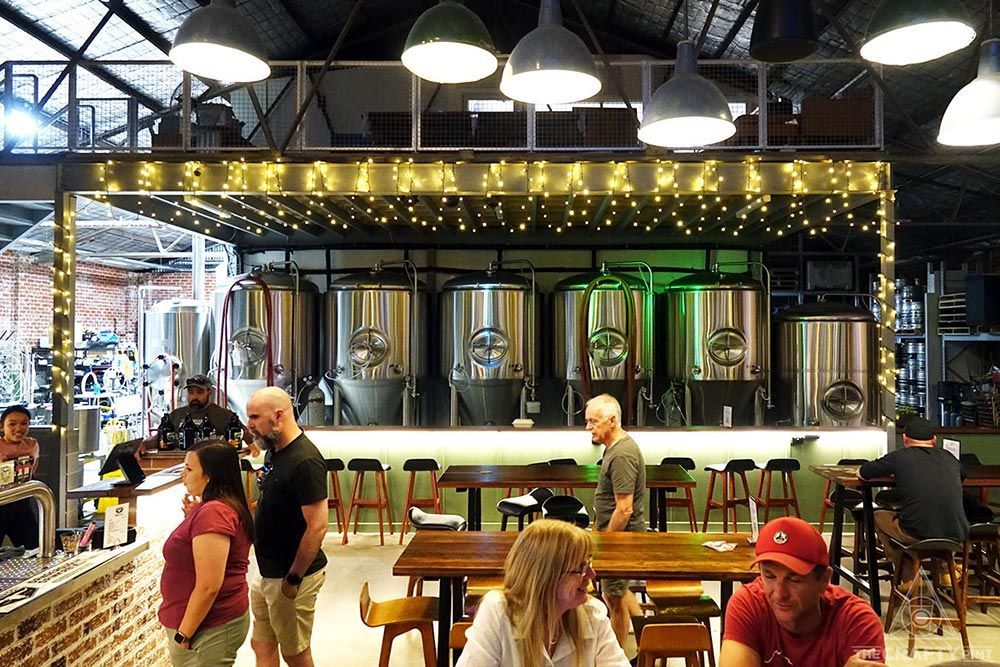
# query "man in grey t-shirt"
(620, 497)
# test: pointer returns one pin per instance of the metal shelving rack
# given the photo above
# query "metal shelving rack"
(933, 366)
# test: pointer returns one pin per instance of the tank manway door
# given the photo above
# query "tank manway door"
(488, 347)
(248, 349)
(608, 347)
(843, 401)
(369, 348)
(727, 347)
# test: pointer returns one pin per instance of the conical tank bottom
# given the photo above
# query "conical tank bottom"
(490, 402)
(372, 402)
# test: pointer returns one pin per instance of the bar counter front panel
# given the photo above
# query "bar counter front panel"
(507, 446)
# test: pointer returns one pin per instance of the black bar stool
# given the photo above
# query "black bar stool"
(566, 508)
(938, 552)
(564, 462)
(421, 520)
(510, 494)
(358, 500)
(520, 507)
(786, 468)
(413, 466)
(336, 500)
(730, 501)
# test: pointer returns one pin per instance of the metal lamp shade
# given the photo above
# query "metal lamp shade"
(973, 116)
(218, 42)
(688, 110)
(449, 44)
(783, 31)
(905, 32)
(550, 65)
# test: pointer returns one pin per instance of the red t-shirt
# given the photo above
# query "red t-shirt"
(849, 625)
(177, 581)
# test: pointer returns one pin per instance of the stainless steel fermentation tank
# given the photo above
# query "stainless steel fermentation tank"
(375, 346)
(717, 329)
(177, 341)
(826, 365)
(269, 334)
(600, 340)
(488, 345)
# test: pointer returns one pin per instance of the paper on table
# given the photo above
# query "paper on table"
(720, 545)
(115, 525)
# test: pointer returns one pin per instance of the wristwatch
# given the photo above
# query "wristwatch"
(180, 638)
(293, 579)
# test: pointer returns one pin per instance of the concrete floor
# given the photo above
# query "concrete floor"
(341, 639)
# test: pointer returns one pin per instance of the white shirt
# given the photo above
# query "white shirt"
(491, 639)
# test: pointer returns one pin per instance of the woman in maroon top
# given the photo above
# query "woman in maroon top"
(204, 582)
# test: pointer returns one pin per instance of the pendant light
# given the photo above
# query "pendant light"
(450, 44)
(218, 42)
(550, 65)
(973, 116)
(688, 110)
(904, 32)
(783, 31)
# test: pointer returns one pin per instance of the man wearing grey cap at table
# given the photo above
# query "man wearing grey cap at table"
(929, 482)
(200, 406)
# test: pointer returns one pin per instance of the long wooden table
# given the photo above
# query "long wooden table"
(451, 556)
(847, 477)
(475, 478)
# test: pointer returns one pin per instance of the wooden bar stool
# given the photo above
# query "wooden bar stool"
(509, 493)
(566, 491)
(399, 616)
(520, 507)
(674, 640)
(358, 500)
(249, 477)
(827, 503)
(413, 466)
(981, 557)
(336, 501)
(730, 501)
(786, 468)
(687, 502)
(939, 552)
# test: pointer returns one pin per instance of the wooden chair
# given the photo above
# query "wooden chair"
(400, 616)
(413, 466)
(457, 639)
(358, 500)
(674, 640)
(786, 469)
(827, 503)
(687, 502)
(728, 471)
(336, 500)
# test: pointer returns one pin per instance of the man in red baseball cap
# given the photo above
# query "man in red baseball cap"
(791, 616)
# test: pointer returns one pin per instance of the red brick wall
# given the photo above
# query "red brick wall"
(106, 297)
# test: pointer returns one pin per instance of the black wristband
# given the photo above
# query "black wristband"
(293, 579)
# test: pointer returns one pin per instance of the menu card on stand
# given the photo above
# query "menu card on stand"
(115, 525)
(953, 446)
(754, 523)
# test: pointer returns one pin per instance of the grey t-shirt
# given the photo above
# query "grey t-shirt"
(623, 471)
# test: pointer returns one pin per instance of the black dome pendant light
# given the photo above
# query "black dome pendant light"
(783, 31)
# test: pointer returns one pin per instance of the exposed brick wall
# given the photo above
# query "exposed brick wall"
(106, 297)
(112, 621)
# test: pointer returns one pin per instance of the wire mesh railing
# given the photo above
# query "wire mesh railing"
(149, 107)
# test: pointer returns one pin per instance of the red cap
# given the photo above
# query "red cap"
(793, 543)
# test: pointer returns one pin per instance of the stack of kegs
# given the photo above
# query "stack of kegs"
(909, 306)
(911, 378)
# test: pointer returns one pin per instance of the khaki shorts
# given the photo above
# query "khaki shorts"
(212, 647)
(279, 620)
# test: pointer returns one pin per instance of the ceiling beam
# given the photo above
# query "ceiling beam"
(34, 29)
(734, 30)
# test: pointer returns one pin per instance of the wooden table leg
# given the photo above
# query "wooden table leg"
(837, 534)
(874, 594)
(444, 621)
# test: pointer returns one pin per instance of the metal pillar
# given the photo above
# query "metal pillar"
(197, 267)
(63, 347)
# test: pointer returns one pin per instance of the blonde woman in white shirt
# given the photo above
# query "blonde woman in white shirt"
(543, 616)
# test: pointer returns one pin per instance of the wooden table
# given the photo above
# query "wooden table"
(106, 488)
(451, 556)
(475, 478)
(847, 477)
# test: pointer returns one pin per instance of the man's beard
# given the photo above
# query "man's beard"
(196, 404)
(268, 441)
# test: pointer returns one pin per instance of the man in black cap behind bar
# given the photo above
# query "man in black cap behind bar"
(929, 482)
(200, 407)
